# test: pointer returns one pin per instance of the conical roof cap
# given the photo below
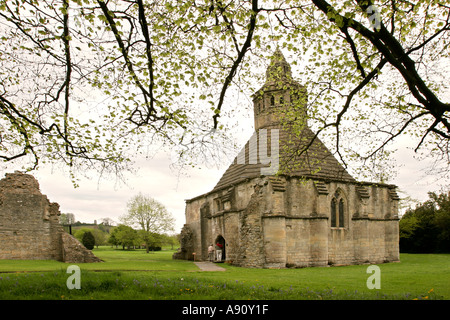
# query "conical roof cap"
(279, 68)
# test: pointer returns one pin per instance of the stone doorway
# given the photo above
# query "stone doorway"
(220, 249)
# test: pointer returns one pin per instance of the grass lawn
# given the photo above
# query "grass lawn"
(137, 275)
(114, 259)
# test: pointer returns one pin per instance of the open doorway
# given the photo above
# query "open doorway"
(220, 249)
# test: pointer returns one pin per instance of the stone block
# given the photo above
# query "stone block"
(29, 225)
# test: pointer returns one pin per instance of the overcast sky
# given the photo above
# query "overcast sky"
(94, 200)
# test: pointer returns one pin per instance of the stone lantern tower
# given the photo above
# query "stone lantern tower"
(279, 95)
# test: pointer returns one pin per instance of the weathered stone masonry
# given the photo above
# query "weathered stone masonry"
(29, 225)
(310, 213)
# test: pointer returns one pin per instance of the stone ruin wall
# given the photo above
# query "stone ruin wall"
(29, 225)
(277, 227)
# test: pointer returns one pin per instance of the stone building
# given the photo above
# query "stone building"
(29, 225)
(278, 205)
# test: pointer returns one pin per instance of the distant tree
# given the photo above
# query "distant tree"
(124, 235)
(67, 218)
(88, 240)
(426, 228)
(100, 237)
(106, 229)
(112, 239)
(171, 240)
(150, 239)
(79, 233)
(442, 220)
(150, 215)
(108, 222)
(407, 225)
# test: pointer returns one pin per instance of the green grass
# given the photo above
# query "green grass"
(114, 259)
(138, 275)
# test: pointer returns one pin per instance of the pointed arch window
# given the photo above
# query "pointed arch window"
(333, 212)
(272, 100)
(337, 211)
(341, 213)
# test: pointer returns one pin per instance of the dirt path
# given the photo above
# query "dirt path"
(209, 266)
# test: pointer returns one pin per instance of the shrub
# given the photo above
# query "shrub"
(88, 240)
(425, 229)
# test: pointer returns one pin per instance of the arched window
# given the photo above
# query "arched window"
(333, 212)
(341, 213)
(272, 100)
(337, 211)
(281, 100)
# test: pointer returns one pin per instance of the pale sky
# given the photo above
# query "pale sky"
(94, 200)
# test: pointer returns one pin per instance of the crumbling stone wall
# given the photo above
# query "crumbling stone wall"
(74, 252)
(29, 225)
(252, 253)
(185, 252)
(286, 223)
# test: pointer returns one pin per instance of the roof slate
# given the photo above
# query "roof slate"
(316, 162)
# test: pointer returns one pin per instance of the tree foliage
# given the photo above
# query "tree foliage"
(123, 235)
(426, 228)
(91, 83)
(79, 233)
(100, 236)
(67, 218)
(88, 240)
(150, 216)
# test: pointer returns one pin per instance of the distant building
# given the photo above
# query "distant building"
(277, 207)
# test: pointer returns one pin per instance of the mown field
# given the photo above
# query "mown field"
(136, 275)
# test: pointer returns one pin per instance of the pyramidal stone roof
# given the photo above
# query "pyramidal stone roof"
(281, 134)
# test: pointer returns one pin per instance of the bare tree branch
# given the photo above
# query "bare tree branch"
(237, 62)
(396, 55)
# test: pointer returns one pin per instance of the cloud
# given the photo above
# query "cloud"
(412, 177)
(94, 200)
